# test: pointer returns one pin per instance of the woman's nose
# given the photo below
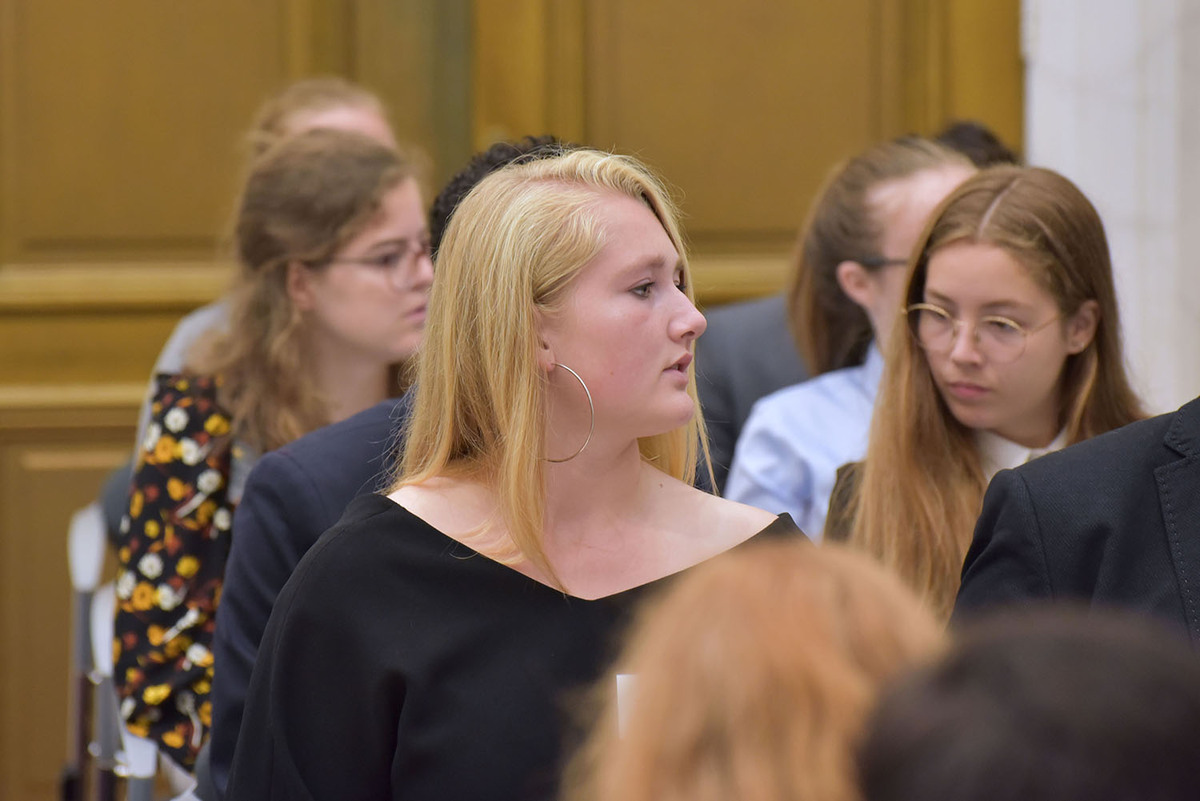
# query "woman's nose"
(689, 323)
(965, 347)
(422, 276)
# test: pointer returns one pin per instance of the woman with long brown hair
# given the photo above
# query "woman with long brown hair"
(328, 304)
(323, 103)
(1010, 346)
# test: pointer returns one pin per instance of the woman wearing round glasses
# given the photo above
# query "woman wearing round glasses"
(330, 301)
(1013, 349)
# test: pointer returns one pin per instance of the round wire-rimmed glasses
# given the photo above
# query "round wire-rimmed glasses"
(402, 253)
(1000, 339)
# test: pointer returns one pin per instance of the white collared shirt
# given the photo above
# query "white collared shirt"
(997, 453)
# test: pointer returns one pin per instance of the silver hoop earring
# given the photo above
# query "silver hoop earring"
(591, 408)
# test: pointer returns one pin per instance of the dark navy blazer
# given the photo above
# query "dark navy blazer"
(292, 496)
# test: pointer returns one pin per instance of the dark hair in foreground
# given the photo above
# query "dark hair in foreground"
(1046, 706)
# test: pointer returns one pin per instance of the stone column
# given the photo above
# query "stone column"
(1113, 102)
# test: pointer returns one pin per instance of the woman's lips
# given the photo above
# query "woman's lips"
(967, 391)
(681, 364)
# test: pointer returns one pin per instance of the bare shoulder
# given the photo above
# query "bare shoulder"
(449, 505)
(726, 522)
(738, 515)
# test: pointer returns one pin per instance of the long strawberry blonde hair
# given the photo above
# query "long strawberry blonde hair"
(923, 483)
(751, 680)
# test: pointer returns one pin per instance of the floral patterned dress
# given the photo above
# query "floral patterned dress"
(172, 566)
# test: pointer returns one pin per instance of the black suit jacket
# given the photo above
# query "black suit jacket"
(1111, 521)
(292, 495)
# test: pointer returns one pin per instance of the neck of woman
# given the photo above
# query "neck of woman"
(590, 499)
(349, 385)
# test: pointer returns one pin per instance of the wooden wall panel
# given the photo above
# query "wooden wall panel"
(119, 145)
(744, 107)
(51, 462)
(120, 127)
(986, 73)
(528, 70)
(415, 53)
(95, 348)
(963, 61)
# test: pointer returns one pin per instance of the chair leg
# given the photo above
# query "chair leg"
(105, 745)
(73, 783)
(70, 784)
(106, 784)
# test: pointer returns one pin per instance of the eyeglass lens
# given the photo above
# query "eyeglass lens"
(998, 338)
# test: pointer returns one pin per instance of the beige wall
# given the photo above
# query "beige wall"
(119, 161)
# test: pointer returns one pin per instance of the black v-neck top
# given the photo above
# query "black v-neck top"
(400, 664)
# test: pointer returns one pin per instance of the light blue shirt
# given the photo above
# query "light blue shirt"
(795, 440)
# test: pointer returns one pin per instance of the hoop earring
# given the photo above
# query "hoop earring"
(591, 408)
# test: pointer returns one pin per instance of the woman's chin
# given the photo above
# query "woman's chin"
(672, 420)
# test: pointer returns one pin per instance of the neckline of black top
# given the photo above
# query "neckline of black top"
(782, 525)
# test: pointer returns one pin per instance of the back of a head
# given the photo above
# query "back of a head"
(978, 143)
(284, 113)
(481, 165)
(1044, 706)
(831, 330)
(752, 677)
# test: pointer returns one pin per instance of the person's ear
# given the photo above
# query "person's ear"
(855, 281)
(1081, 327)
(300, 287)
(545, 353)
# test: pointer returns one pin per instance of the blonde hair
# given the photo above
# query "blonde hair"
(303, 200)
(752, 679)
(280, 115)
(831, 330)
(510, 252)
(923, 483)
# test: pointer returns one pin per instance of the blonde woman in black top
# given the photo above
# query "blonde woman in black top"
(426, 645)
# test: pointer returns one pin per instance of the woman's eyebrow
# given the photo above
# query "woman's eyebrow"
(1006, 305)
(405, 241)
(652, 262)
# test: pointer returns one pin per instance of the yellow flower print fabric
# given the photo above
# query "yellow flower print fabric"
(171, 570)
